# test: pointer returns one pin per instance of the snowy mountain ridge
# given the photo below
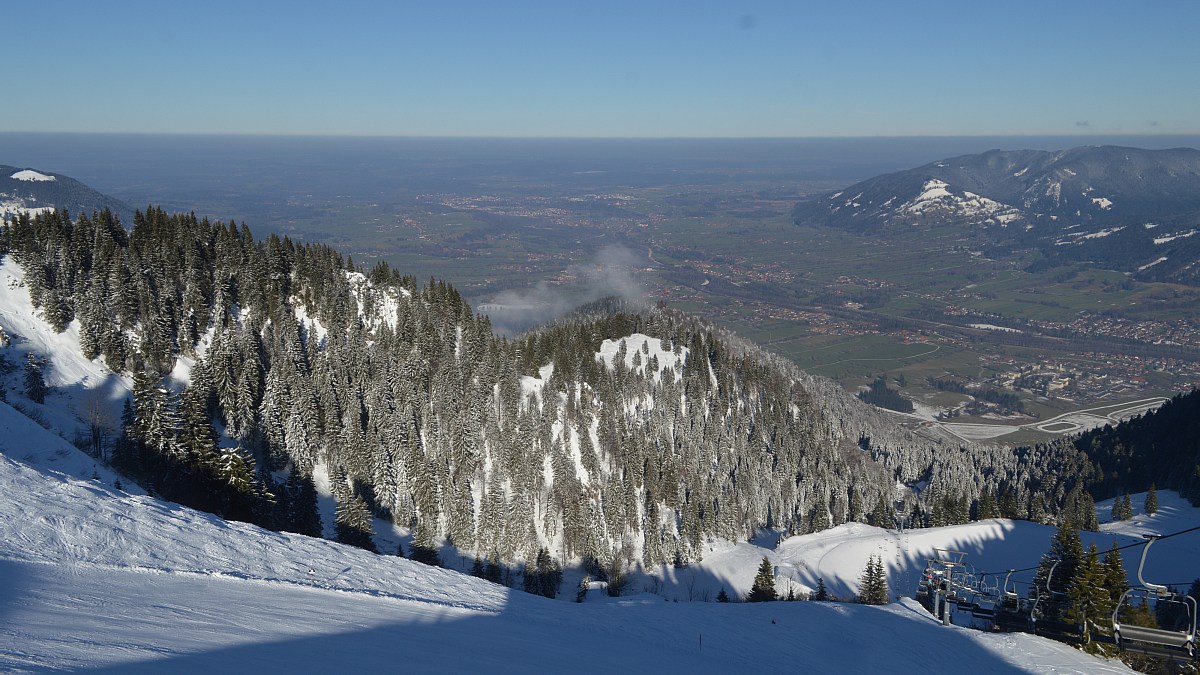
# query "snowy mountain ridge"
(32, 192)
(1066, 202)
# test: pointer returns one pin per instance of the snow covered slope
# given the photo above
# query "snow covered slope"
(31, 191)
(79, 387)
(91, 577)
(1093, 203)
(838, 556)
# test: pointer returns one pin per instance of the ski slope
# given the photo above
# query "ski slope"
(92, 577)
(838, 556)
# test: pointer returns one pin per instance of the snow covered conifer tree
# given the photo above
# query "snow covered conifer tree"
(354, 523)
(873, 589)
(763, 589)
(35, 384)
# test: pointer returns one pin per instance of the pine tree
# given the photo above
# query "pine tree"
(1151, 506)
(35, 383)
(544, 577)
(722, 596)
(423, 550)
(822, 594)
(873, 588)
(299, 502)
(763, 589)
(987, 506)
(1063, 559)
(353, 523)
(1116, 581)
(1090, 604)
(1119, 511)
(494, 570)
(882, 515)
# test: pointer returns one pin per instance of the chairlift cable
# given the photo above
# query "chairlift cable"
(1119, 548)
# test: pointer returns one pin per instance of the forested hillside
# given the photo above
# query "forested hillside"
(1160, 448)
(621, 434)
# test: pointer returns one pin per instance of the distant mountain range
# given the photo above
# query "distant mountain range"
(1126, 208)
(29, 190)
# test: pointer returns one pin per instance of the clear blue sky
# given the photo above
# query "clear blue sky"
(597, 68)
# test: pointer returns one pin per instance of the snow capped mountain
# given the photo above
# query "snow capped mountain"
(937, 200)
(1065, 200)
(31, 191)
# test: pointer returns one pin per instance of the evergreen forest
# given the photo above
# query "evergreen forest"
(533, 449)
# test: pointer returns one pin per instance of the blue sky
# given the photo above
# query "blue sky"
(636, 69)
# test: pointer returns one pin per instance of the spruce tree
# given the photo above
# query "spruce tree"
(424, 550)
(1090, 604)
(1063, 559)
(494, 570)
(763, 589)
(544, 577)
(35, 383)
(1116, 581)
(722, 596)
(873, 588)
(1118, 509)
(353, 523)
(822, 593)
(987, 506)
(1151, 505)
(300, 499)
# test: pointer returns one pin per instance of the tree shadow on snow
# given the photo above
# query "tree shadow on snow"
(639, 634)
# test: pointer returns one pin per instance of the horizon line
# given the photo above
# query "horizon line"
(230, 134)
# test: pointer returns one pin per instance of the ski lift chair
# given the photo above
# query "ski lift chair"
(1167, 628)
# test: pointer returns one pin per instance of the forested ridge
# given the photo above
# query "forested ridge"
(422, 415)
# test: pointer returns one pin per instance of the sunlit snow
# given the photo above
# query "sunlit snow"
(31, 175)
